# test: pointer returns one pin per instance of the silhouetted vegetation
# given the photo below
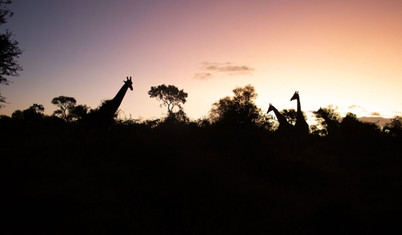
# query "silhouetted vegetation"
(229, 174)
(171, 97)
(238, 110)
(9, 50)
(65, 104)
(290, 115)
(329, 119)
(33, 113)
(394, 128)
(79, 112)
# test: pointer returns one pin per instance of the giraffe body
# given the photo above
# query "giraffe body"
(284, 125)
(110, 107)
(332, 125)
(106, 113)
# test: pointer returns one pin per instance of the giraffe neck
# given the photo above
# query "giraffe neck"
(279, 116)
(301, 124)
(116, 101)
(299, 111)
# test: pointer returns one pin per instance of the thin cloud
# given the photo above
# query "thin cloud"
(227, 68)
(358, 108)
(375, 114)
(203, 76)
(355, 107)
(213, 69)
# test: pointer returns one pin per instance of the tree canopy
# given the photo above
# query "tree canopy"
(34, 112)
(239, 109)
(170, 96)
(64, 103)
(9, 50)
(291, 115)
(78, 112)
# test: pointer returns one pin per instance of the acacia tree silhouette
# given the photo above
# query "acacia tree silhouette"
(64, 103)
(170, 96)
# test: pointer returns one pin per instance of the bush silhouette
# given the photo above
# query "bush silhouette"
(237, 110)
(179, 176)
(33, 113)
(394, 128)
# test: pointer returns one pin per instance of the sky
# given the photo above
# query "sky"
(345, 53)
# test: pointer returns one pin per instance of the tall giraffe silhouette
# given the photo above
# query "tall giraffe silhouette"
(284, 125)
(301, 125)
(109, 107)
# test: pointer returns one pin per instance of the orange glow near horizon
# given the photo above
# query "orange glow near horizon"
(341, 53)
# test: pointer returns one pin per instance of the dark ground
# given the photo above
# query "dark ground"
(60, 178)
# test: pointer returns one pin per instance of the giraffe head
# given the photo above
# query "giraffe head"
(295, 96)
(271, 107)
(321, 112)
(129, 83)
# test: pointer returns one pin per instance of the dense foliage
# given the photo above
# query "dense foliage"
(237, 110)
(9, 50)
(183, 177)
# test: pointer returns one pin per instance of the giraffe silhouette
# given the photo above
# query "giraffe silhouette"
(284, 125)
(301, 125)
(332, 125)
(107, 111)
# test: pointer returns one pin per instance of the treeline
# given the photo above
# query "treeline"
(238, 110)
(233, 172)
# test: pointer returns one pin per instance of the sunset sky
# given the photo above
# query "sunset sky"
(345, 53)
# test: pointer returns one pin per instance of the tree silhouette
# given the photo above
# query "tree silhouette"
(203, 171)
(78, 112)
(32, 113)
(239, 109)
(9, 50)
(290, 115)
(394, 128)
(64, 103)
(179, 116)
(170, 96)
(396, 122)
(37, 108)
(353, 128)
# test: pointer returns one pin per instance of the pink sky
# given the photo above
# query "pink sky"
(344, 53)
